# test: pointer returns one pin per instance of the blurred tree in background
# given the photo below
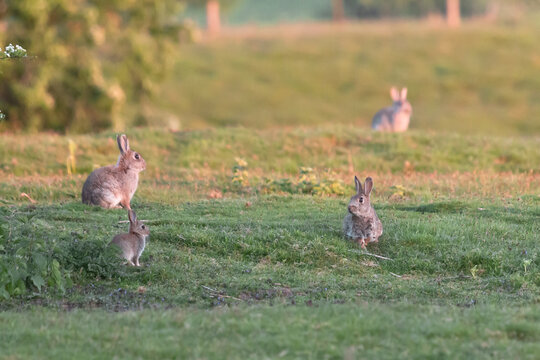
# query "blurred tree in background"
(213, 16)
(88, 57)
(225, 4)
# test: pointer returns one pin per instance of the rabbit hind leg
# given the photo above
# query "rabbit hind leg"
(109, 200)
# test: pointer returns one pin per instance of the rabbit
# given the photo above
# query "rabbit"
(113, 186)
(132, 244)
(362, 223)
(394, 118)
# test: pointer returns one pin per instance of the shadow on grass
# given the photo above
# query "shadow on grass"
(445, 207)
(511, 215)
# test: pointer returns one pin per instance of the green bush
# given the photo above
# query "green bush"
(89, 58)
(33, 258)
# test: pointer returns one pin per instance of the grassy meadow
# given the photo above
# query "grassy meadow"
(246, 258)
(257, 267)
(476, 79)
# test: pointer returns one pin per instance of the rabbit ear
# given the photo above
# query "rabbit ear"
(394, 93)
(123, 143)
(126, 142)
(368, 186)
(132, 216)
(403, 94)
(359, 189)
(120, 144)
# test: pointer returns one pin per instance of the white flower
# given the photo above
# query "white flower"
(16, 51)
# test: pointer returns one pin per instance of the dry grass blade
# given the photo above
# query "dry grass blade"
(28, 197)
(370, 254)
(218, 293)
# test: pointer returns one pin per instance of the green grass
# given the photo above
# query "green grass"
(334, 332)
(477, 79)
(264, 272)
(277, 151)
(281, 249)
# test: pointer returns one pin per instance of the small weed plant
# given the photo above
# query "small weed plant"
(27, 257)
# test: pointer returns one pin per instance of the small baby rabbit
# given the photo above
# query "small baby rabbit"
(394, 118)
(114, 185)
(132, 244)
(361, 223)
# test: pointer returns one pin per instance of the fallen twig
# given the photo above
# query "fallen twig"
(396, 275)
(370, 254)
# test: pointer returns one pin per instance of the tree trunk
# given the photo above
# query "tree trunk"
(213, 23)
(453, 14)
(338, 11)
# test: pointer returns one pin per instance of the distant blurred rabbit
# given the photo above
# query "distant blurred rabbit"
(394, 118)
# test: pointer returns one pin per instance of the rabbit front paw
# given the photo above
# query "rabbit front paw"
(361, 241)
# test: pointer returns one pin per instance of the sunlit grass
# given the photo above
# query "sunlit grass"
(191, 165)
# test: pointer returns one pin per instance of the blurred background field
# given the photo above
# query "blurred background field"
(93, 68)
(478, 79)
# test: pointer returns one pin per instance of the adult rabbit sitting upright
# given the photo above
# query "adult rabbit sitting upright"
(362, 224)
(113, 186)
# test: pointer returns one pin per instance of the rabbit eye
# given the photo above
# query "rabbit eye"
(143, 227)
(137, 156)
(361, 200)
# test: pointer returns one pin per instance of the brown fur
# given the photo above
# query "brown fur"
(132, 244)
(362, 224)
(114, 185)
